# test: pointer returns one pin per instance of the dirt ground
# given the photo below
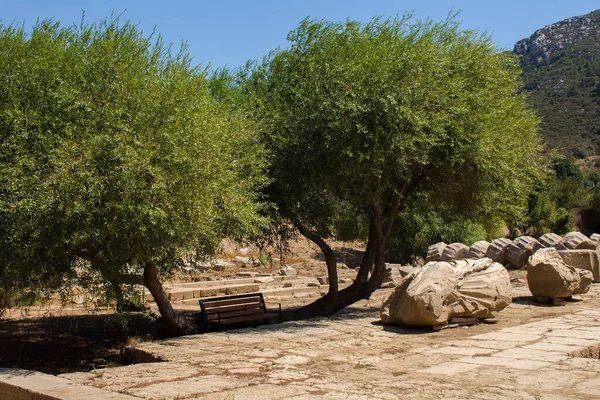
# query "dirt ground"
(68, 343)
(528, 354)
(55, 340)
(58, 340)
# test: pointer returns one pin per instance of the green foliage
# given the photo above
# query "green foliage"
(364, 117)
(417, 231)
(264, 259)
(559, 200)
(18, 298)
(113, 151)
(565, 167)
(565, 90)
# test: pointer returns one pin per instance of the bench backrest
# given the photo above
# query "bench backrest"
(233, 309)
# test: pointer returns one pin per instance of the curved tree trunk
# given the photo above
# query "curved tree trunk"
(174, 321)
(363, 286)
(363, 289)
(325, 304)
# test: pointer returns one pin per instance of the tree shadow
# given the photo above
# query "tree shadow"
(403, 329)
(61, 344)
(530, 301)
(348, 314)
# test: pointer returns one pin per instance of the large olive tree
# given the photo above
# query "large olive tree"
(366, 122)
(114, 157)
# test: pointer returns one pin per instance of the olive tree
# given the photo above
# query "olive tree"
(366, 122)
(115, 157)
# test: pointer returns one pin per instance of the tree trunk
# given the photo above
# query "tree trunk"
(330, 259)
(173, 320)
(325, 304)
(363, 286)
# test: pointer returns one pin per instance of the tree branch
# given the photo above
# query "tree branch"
(330, 259)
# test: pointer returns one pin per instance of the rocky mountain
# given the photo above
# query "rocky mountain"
(561, 70)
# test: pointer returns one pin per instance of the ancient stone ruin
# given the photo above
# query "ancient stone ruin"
(550, 277)
(575, 249)
(519, 251)
(439, 291)
(472, 282)
(497, 250)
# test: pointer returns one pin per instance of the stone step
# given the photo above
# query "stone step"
(278, 286)
(299, 291)
(197, 293)
(275, 293)
(225, 282)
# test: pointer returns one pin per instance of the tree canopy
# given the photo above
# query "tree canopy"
(367, 122)
(114, 154)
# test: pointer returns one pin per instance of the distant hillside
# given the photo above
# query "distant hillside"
(561, 69)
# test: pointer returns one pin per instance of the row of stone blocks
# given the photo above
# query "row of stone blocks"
(575, 248)
(187, 294)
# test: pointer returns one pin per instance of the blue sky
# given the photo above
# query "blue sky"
(228, 33)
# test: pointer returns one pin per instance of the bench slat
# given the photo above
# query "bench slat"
(215, 316)
(235, 309)
(232, 308)
(226, 302)
(227, 309)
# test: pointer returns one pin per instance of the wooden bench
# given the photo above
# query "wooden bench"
(236, 310)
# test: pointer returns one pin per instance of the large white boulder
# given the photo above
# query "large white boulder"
(548, 276)
(441, 290)
(286, 270)
(583, 259)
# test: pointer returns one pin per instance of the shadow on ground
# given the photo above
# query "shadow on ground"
(346, 315)
(63, 344)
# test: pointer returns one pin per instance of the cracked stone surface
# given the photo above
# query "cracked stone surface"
(527, 355)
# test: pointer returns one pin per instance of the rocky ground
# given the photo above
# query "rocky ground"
(534, 351)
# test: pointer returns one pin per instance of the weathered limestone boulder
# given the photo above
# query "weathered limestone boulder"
(392, 274)
(497, 250)
(548, 276)
(478, 249)
(388, 279)
(438, 291)
(241, 289)
(223, 266)
(286, 270)
(550, 239)
(264, 279)
(434, 252)
(406, 270)
(588, 260)
(576, 241)
(454, 251)
(246, 262)
(520, 250)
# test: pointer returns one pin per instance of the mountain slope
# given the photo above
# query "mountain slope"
(561, 70)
